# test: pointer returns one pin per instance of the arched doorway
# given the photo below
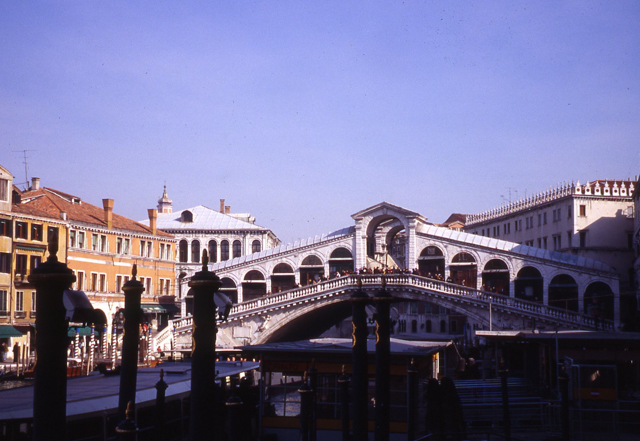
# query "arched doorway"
(341, 260)
(464, 270)
(311, 270)
(495, 277)
(529, 285)
(229, 288)
(431, 262)
(253, 286)
(563, 292)
(282, 278)
(598, 301)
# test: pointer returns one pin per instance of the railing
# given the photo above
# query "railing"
(395, 282)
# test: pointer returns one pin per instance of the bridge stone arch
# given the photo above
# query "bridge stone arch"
(432, 259)
(497, 275)
(367, 222)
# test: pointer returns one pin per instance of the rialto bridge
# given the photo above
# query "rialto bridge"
(299, 290)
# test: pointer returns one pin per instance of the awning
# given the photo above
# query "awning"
(9, 331)
(84, 331)
(153, 308)
(80, 310)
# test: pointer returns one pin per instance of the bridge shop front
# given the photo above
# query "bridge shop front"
(285, 364)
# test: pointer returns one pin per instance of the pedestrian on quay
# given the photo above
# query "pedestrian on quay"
(16, 353)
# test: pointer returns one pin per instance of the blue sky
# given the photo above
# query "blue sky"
(304, 113)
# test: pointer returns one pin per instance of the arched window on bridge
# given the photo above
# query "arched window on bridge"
(598, 301)
(256, 246)
(443, 326)
(563, 292)
(311, 270)
(195, 251)
(224, 250)
(213, 251)
(183, 251)
(464, 270)
(495, 277)
(282, 278)
(229, 288)
(431, 262)
(341, 260)
(529, 285)
(253, 286)
(237, 248)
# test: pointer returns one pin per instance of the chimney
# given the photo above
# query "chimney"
(35, 183)
(108, 212)
(227, 209)
(153, 218)
(63, 215)
(222, 206)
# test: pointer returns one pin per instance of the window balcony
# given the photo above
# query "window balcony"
(20, 314)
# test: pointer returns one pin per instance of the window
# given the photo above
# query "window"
(103, 243)
(72, 239)
(118, 245)
(19, 301)
(4, 190)
(255, 246)
(146, 248)
(94, 281)
(237, 249)
(213, 251)
(21, 230)
(568, 211)
(118, 283)
(35, 262)
(544, 218)
(569, 241)
(583, 239)
(94, 242)
(195, 251)
(5, 227)
(52, 232)
(169, 256)
(148, 285)
(544, 242)
(539, 219)
(583, 210)
(127, 246)
(3, 303)
(33, 303)
(183, 251)
(80, 280)
(36, 232)
(224, 250)
(80, 239)
(161, 248)
(557, 242)
(21, 264)
(167, 286)
(103, 283)
(5, 263)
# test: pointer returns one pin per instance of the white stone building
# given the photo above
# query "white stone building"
(223, 234)
(592, 220)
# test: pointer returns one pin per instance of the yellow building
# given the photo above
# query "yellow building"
(101, 249)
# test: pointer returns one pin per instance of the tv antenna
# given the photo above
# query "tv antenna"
(26, 165)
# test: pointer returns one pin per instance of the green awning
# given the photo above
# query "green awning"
(154, 309)
(84, 331)
(9, 331)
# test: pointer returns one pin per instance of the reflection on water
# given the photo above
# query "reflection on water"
(12, 384)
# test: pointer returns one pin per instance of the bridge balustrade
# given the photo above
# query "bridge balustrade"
(395, 282)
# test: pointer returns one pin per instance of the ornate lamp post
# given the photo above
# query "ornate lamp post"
(50, 387)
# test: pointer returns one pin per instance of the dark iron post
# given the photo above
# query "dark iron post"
(360, 374)
(563, 382)
(131, 333)
(127, 429)
(306, 396)
(204, 285)
(50, 386)
(382, 301)
(343, 382)
(412, 400)
(506, 415)
(235, 429)
(161, 388)
(313, 383)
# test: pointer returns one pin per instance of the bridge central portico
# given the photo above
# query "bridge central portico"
(460, 271)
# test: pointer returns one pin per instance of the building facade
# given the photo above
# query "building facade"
(223, 234)
(102, 248)
(592, 220)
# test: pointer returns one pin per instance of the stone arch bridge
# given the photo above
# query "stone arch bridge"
(299, 290)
